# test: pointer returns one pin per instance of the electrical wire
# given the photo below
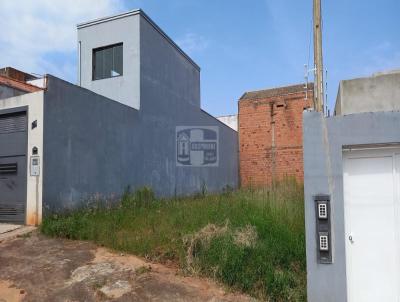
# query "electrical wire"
(309, 44)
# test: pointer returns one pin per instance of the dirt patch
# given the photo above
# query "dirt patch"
(117, 289)
(128, 261)
(9, 293)
(38, 268)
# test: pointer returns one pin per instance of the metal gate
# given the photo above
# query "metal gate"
(13, 165)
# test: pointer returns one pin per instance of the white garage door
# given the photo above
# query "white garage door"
(371, 199)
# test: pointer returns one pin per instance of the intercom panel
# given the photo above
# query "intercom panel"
(323, 228)
(35, 166)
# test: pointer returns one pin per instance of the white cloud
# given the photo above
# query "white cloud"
(382, 57)
(40, 35)
(192, 43)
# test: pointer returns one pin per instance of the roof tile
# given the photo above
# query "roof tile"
(4, 81)
(279, 91)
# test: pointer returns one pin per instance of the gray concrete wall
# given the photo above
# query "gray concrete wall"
(168, 77)
(323, 140)
(148, 54)
(126, 88)
(8, 92)
(96, 147)
(380, 92)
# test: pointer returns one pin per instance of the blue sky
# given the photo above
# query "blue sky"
(239, 45)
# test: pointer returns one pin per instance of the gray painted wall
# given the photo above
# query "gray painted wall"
(168, 77)
(323, 140)
(8, 92)
(380, 92)
(96, 147)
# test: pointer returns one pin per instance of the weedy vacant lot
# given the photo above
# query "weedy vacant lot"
(249, 240)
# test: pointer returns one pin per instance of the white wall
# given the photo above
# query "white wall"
(34, 102)
(126, 88)
(230, 120)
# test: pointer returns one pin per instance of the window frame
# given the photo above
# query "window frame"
(97, 49)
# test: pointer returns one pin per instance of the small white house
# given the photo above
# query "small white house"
(352, 194)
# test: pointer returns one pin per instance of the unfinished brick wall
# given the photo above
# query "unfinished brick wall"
(270, 134)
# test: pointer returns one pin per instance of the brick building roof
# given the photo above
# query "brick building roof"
(16, 74)
(279, 91)
(5, 81)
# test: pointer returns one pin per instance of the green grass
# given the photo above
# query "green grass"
(249, 240)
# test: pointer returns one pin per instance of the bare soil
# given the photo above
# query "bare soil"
(36, 268)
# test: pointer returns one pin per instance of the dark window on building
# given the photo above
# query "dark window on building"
(107, 62)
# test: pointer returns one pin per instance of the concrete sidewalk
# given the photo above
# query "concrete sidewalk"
(10, 231)
(7, 227)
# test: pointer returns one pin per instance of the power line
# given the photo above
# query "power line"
(309, 42)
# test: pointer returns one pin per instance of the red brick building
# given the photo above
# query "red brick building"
(270, 134)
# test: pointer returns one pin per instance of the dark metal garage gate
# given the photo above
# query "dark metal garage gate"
(13, 165)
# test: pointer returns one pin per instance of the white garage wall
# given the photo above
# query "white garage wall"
(324, 140)
(34, 102)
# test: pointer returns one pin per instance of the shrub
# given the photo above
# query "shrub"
(251, 240)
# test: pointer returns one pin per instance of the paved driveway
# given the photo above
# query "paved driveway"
(37, 268)
(7, 227)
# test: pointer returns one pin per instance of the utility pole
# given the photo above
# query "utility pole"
(318, 65)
